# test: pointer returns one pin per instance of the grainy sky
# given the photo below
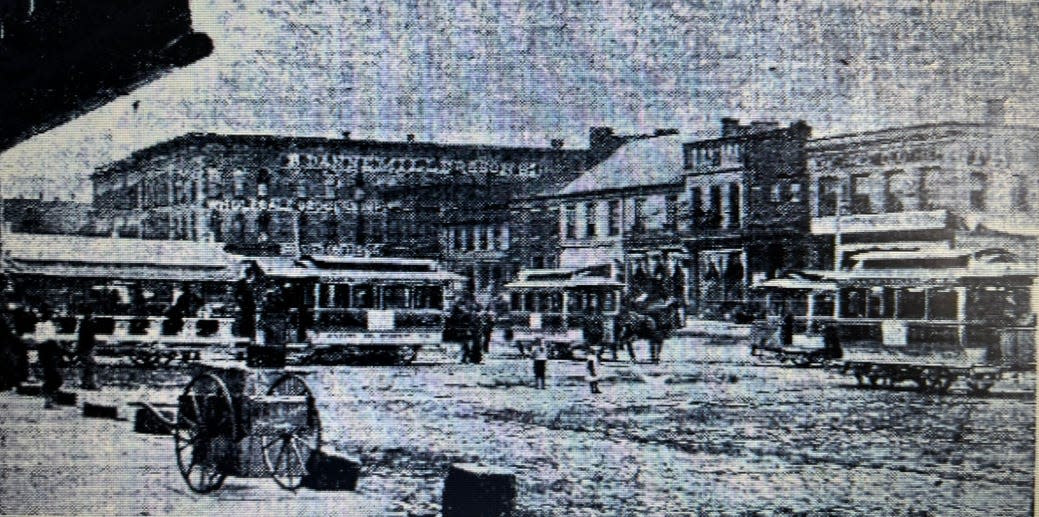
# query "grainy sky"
(519, 72)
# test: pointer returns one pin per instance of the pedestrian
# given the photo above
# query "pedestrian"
(540, 364)
(246, 301)
(592, 373)
(787, 329)
(475, 321)
(50, 357)
(87, 341)
(24, 321)
(456, 329)
(488, 320)
(832, 342)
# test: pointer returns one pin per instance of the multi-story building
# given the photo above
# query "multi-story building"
(490, 238)
(929, 226)
(289, 195)
(624, 213)
(748, 211)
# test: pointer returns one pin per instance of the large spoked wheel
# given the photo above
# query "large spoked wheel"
(204, 434)
(288, 453)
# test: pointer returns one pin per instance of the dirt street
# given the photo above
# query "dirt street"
(707, 432)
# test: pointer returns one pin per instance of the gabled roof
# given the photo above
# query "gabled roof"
(641, 163)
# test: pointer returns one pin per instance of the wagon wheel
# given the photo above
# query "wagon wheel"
(286, 455)
(204, 434)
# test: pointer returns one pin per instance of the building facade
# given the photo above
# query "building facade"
(292, 195)
(747, 212)
(928, 228)
(625, 213)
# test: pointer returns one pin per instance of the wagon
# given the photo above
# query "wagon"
(229, 425)
(935, 377)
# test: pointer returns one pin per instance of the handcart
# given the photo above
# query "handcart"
(226, 427)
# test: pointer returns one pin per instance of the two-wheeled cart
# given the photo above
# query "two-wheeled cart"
(233, 421)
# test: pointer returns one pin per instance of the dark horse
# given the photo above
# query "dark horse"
(654, 325)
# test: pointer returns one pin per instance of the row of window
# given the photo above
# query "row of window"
(615, 216)
(473, 238)
(902, 191)
(717, 206)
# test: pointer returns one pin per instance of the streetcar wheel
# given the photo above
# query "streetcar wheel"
(286, 455)
(204, 435)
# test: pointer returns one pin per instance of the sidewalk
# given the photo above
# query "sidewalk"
(56, 462)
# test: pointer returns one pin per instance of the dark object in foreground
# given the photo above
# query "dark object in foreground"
(61, 59)
(472, 490)
(91, 410)
(330, 471)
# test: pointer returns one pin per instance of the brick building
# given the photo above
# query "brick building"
(275, 194)
(748, 211)
(493, 235)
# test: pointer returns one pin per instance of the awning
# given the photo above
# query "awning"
(798, 283)
(565, 284)
(345, 276)
(121, 272)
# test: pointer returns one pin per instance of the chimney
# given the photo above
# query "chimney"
(761, 126)
(411, 138)
(730, 126)
(995, 112)
(600, 137)
(346, 135)
(556, 143)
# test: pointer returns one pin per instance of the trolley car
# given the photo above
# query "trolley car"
(551, 305)
(349, 308)
(128, 284)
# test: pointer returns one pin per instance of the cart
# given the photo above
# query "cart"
(226, 427)
(935, 377)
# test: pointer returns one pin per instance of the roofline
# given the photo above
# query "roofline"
(761, 135)
(679, 183)
(204, 138)
(815, 142)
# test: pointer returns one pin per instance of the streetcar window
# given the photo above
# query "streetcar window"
(324, 296)
(341, 296)
(529, 302)
(428, 297)
(574, 304)
(362, 297)
(517, 302)
(394, 297)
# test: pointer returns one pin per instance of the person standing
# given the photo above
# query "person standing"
(488, 320)
(87, 341)
(592, 373)
(246, 301)
(476, 333)
(594, 331)
(50, 357)
(787, 329)
(540, 364)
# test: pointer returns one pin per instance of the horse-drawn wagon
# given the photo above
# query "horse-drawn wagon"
(233, 421)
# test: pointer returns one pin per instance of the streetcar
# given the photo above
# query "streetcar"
(350, 309)
(551, 305)
(129, 286)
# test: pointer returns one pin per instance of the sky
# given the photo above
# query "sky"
(521, 72)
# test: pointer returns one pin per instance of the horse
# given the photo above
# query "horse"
(654, 325)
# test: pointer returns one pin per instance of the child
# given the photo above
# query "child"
(540, 364)
(593, 372)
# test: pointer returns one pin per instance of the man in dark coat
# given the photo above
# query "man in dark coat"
(246, 301)
(85, 349)
(786, 329)
(476, 324)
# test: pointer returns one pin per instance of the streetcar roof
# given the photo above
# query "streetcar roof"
(586, 281)
(74, 256)
(107, 251)
(354, 277)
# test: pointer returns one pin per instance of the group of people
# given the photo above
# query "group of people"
(16, 321)
(470, 325)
